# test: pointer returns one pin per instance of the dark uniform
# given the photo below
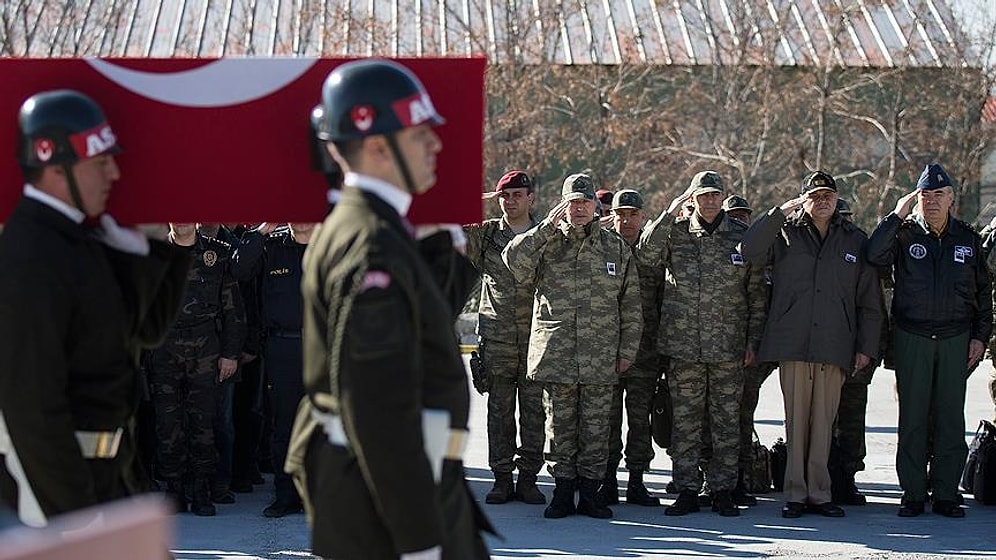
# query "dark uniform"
(275, 260)
(74, 314)
(383, 373)
(183, 372)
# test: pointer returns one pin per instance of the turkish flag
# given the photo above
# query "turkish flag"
(228, 140)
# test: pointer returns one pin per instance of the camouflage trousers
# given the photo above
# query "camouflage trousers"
(697, 390)
(754, 377)
(507, 365)
(637, 393)
(184, 377)
(577, 424)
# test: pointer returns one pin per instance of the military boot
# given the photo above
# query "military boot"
(175, 496)
(848, 494)
(202, 498)
(562, 503)
(588, 503)
(526, 490)
(687, 502)
(722, 503)
(608, 491)
(740, 495)
(637, 493)
(502, 491)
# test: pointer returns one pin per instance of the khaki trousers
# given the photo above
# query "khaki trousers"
(811, 393)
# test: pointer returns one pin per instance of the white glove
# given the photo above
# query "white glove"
(126, 240)
(434, 553)
(456, 234)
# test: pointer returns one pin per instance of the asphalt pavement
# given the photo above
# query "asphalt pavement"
(873, 531)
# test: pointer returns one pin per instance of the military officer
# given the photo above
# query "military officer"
(587, 289)
(738, 208)
(80, 296)
(503, 324)
(378, 440)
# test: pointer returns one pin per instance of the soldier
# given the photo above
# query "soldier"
(201, 351)
(78, 300)
(824, 320)
(738, 208)
(378, 441)
(640, 380)
(274, 258)
(711, 318)
(943, 309)
(503, 324)
(586, 290)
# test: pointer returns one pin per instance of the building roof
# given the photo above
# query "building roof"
(872, 33)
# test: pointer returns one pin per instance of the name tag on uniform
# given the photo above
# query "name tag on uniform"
(737, 259)
(610, 267)
(850, 258)
(961, 252)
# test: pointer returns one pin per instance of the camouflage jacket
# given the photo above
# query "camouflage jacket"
(648, 362)
(713, 303)
(213, 296)
(505, 312)
(587, 298)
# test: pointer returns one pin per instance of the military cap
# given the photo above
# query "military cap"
(933, 177)
(706, 182)
(843, 208)
(818, 181)
(514, 179)
(627, 198)
(578, 186)
(734, 202)
(604, 196)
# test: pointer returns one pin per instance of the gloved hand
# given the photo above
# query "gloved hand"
(456, 234)
(126, 240)
(434, 553)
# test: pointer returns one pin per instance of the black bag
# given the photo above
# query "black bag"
(779, 462)
(979, 477)
(662, 415)
(757, 475)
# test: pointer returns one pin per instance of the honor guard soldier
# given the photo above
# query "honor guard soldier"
(378, 441)
(80, 297)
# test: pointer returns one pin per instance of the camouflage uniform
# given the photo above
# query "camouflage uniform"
(184, 369)
(754, 377)
(712, 311)
(586, 291)
(504, 320)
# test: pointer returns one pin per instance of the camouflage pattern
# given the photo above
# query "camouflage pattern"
(504, 318)
(754, 377)
(587, 290)
(507, 363)
(694, 387)
(648, 359)
(639, 395)
(505, 312)
(184, 369)
(183, 375)
(714, 303)
(578, 429)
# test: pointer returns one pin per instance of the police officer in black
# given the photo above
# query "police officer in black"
(274, 257)
(378, 440)
(80, 297)
(201, 352)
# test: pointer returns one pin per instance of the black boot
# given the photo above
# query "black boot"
(562, 503)
(687, 502)
(722, 503)
(502, 491)
(849, 494)
(588, 503)
(202, 498)
(526, 490)
(740, 495)
(637, 493)
(174, 493)
(608, 491)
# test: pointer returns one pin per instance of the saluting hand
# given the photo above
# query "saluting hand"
(226, 368)
(675, 207)
(789, 206)
(905, 205)
(976, 348)
(558, 213)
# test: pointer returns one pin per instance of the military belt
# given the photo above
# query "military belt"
(456, 443)
(99, 445)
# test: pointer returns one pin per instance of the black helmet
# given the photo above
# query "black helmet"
(373, 96)
(62, 127)
(321, 160)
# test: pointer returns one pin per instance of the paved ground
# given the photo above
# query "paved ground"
(872, 532)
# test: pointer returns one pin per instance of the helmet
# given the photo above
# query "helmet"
(373, 96)
(734, 202)
(321, 160)
(62, 127)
